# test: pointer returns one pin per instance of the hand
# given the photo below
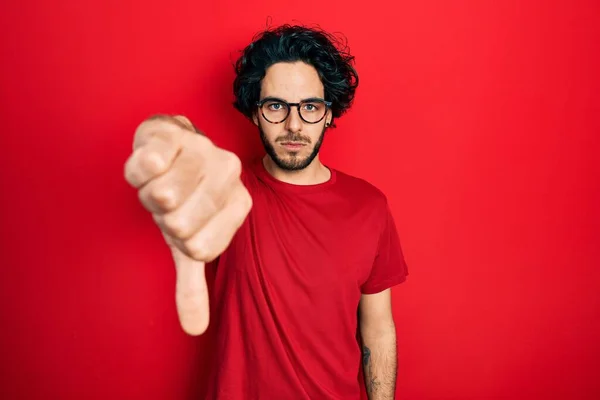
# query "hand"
(194, 192)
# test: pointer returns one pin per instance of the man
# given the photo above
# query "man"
(299, 247)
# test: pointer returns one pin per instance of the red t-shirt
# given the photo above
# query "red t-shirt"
(286, 291)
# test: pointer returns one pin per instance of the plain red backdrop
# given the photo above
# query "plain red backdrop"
(479, 120)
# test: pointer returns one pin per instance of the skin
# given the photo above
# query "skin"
(378, 333)
(193, 190)
(293, 82)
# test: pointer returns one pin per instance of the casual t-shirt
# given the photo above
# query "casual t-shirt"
(286, 290)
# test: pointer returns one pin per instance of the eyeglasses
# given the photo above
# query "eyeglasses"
(276, 110)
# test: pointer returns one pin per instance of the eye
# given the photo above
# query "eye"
(311, 107)
(274, 106)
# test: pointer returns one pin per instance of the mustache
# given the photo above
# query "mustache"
(293, 138)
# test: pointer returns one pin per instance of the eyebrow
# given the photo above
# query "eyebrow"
(303, 100)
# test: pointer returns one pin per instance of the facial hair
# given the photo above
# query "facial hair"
(294, 163)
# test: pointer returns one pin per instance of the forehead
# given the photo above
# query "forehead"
(292, 82)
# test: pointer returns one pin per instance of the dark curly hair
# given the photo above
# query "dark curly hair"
(289, 43)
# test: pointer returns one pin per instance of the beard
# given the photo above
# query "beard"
(294, 162)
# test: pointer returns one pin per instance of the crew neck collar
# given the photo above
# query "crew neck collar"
(262, 172)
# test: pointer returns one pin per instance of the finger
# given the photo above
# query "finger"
(150, 161)
(206, 201)
(215, 236)
(191, 294)
(169, 190)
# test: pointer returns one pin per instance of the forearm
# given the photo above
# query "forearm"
(380, 362)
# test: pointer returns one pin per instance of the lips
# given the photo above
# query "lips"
(293, 145)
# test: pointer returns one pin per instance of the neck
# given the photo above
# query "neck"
(314, 174)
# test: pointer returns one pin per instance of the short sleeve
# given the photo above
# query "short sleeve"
(389, 267)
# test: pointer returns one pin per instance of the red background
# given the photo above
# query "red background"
(479, 119)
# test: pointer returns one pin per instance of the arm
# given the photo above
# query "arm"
(378, 333)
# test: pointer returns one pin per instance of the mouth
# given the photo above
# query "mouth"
(293, 145)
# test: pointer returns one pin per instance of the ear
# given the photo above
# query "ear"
(328, 119)
(255, 118)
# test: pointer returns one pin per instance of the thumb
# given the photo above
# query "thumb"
(191, 293)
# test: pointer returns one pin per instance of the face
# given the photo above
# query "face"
(293, 144)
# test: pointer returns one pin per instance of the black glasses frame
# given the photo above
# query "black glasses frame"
(260, 104)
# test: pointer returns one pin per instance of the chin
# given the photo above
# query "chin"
(291, 163)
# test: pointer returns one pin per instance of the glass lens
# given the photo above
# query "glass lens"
(275, 111)
(312, 111)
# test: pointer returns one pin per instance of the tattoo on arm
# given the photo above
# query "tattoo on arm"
(371, 381)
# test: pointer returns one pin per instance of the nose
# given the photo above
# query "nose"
(294, 122)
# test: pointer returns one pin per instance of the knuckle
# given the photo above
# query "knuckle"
(132, 172)
(131, 175)
(165, 198)
(152, 162)
(200, 249)
(232, 163)
(176, 226)
(244, 204)
(145, 199)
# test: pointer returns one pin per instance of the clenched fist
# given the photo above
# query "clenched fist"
(194, 192)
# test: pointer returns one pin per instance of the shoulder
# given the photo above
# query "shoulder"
(360, 189)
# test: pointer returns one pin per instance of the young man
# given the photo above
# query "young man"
(299, 247)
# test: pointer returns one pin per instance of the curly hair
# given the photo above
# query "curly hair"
(289, 43)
